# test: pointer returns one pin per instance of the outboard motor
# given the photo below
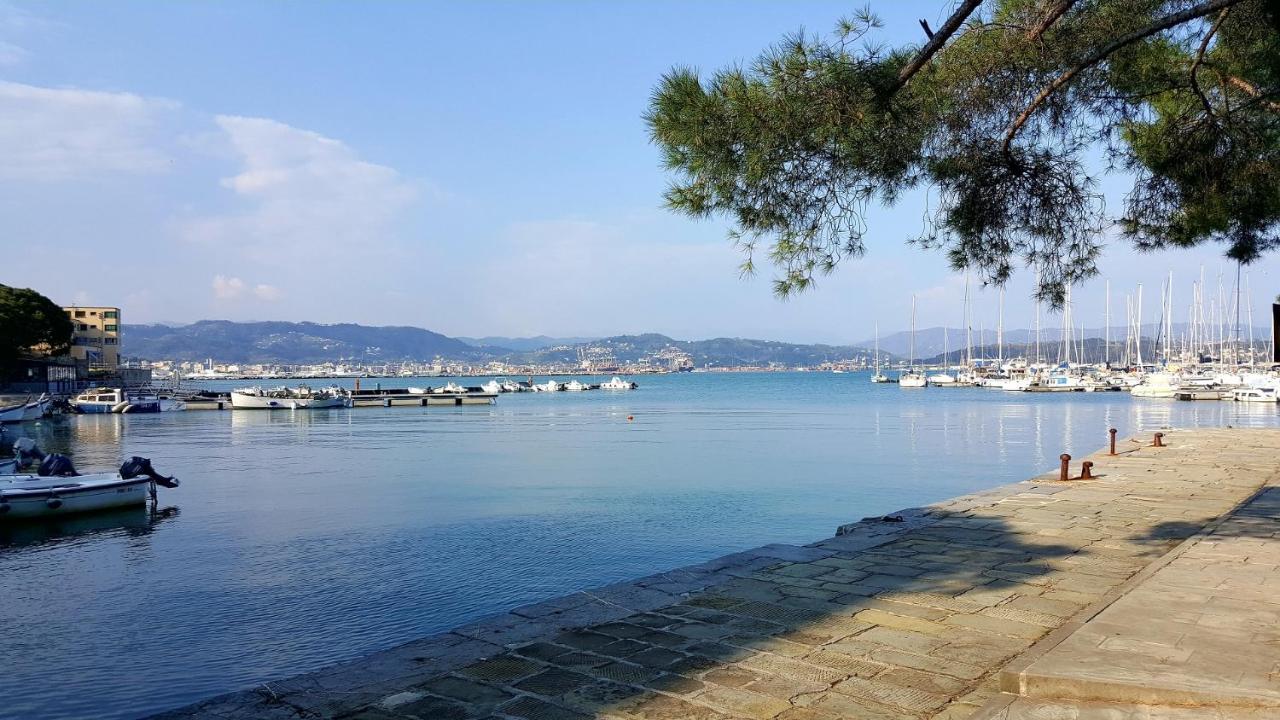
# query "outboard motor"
(26, 452)
(140, 466)
(56, 465)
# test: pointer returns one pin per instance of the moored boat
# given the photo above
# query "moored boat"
(13, 413)
(57, 489)
(617, 383)
(114, 400)
(299, 398)
(1255, 395)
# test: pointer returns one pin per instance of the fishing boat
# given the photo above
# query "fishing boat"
(911, 378)
(57, 489)
(575, 386)
(13, 413)
(114, 400)
(299, 398)
(36, 409)
(548, 386)
(617, 383)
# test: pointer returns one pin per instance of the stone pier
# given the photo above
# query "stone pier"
(1149, 589)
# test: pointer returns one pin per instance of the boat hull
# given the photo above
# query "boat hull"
(39, 497)
(244, 401)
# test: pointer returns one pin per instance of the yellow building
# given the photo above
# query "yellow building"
(96, 337)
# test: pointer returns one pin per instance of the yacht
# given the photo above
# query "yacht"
(911, 378)
(114, 400)
(1255, 395)
(879, 377)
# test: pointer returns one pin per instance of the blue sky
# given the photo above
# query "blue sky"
(476, 168)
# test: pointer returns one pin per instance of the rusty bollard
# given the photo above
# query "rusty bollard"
(1085, 469)
(1158, 440)
(1066, 463)
(1113, 440)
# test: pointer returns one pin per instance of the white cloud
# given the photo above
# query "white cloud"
(305, 193)
(51, 134)
(11, 55)
(227, 288)
(269, 293)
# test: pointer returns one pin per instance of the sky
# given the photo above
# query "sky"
(475, 168)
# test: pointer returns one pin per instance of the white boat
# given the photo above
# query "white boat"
(942, 379)
(1156, 385)
(548, 386)
(300, 398)
(36, 409)
(13, 413)
(575, 386)
(911, 378)
(449, 387)
(617, 383)
(114, 400)
(59, 490)
(1255, 395)
(877, 376)
(1016, 384)
(493, 386)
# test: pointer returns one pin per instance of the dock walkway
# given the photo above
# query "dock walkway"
(928, 617)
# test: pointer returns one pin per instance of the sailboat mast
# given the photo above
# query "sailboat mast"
(1138, 330)
(1000, 330)
(1106, 330)
(911, 355)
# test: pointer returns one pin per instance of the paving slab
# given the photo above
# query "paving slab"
(910, 618)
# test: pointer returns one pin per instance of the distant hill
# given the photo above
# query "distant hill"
(716, 352)
(286, 342)
(524, 344)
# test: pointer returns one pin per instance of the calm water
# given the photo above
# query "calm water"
(300, 539)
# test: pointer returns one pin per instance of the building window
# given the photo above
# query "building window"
(82, 327)
(111, 314)
(79, 313)
(111, 328)
(110, 341)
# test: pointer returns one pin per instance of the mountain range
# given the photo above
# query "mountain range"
(305, 342)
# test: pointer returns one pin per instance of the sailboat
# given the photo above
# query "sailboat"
(879, 377)
(911, 378)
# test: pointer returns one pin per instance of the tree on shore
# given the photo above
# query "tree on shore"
(29, 320)
(1007, 114)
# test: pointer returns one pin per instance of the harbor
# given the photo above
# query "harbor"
(458, 513)
(1120, 594)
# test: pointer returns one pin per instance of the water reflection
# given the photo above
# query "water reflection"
(85, 527)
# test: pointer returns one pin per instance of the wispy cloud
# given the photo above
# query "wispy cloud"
(49, 134)
(227, 288)
(303, 193)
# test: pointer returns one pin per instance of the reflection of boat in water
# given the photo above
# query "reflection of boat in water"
(299, 398)
(132, 521)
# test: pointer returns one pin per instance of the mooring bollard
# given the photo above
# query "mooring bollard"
(1066, 463)
(1085, 469)
(1113, 440)
(1158, 440)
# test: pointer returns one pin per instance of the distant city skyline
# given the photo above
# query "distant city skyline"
(475, 169)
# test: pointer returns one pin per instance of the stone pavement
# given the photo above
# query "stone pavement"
(910, 619)
(1197, 637)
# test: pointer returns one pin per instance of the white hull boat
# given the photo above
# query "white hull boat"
(114, 400)
(618, 383)
(942, 379)
(575, 386)
(42, 496)
(13, 413)
(1256, 395)
(548, 386)
(36, 409)
(285, 399)
(912, 380)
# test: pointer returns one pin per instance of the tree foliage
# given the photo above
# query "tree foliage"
(1007, 115)
(27, 320)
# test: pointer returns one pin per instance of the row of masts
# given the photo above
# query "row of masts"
(1213, 332)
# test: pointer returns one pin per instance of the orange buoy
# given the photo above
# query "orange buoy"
(630, 418)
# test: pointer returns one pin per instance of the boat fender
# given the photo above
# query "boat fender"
(120, 407)
(55, 465)
(54, 502)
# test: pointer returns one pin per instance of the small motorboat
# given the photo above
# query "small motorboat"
(548, 386)
(880, 377)
(57, 489)
(575, 386)
(15, 412)
(36, 409)
(912, 380)
(448, 388)
(114, 400)
(617, 383)
(299, 398)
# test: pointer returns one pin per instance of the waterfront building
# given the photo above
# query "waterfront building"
(96, 336)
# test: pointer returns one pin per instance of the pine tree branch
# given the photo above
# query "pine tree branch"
(935, 43)
(1195, 66)
(1252, 91)
(1049, 19)
(1105, 52)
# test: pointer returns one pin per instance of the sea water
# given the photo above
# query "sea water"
(303, 538)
